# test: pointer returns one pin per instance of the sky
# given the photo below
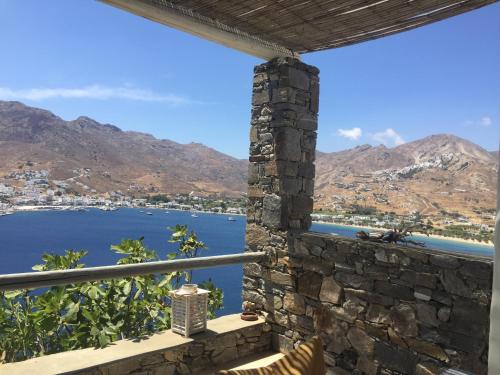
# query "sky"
(83, 57)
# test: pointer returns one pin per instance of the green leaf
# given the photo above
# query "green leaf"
(93, 293)
(11, 294)
(127, 287)
(72, 310)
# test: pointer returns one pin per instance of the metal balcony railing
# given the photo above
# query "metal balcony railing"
(44, 279)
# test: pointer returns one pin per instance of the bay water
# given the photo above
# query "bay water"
(25, 236)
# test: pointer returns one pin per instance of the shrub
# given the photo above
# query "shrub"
(61, 318)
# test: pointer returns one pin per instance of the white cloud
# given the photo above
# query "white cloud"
(354, 133)
(92, 92)
(388, 137)
(486, 121)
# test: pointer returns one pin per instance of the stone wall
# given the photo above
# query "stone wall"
(382, 309)
(191, 358)
(228, 338)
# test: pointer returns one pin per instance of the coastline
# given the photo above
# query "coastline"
(33, 208)
(416, 234)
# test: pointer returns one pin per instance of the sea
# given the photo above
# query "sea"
(25, 236)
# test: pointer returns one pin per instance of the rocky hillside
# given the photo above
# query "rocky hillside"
(440, 172)
(105, 158)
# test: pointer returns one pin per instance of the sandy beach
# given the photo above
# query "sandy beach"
(416, 234)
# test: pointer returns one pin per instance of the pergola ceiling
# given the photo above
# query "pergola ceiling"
(313, 25)
(297, 26)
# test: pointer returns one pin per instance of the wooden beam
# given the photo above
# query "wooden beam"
(192, 23)
(30, 280)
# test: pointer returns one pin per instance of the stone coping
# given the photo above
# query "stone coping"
(78, 360)
(405, 249)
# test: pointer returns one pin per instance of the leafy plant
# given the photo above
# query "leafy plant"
(34, 323)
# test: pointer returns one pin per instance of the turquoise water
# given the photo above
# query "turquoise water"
(26, 235)
(431, 243)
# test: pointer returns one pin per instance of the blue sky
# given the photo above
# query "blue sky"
(86, 58)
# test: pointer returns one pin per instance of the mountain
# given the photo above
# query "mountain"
(90, 155)
(437, 173)
(434, 174)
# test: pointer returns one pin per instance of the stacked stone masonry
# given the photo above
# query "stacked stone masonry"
(379, 309)
(191, 358)
(283, 144)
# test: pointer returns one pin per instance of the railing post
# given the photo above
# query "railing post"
(280, 177)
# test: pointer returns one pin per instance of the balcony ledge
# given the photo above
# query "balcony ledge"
(226, 339)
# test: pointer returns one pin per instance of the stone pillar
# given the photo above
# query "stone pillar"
(280, 176)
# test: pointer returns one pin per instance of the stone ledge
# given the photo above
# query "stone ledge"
(91, 358)
(323, 238)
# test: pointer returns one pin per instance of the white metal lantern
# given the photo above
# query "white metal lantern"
(189, 309)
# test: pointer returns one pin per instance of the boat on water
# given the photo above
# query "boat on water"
(149, 213)
(194, 215)
(167, 212)
(108, 208)
(230, 218)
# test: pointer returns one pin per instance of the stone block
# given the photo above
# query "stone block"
(284, 95)
(330, 291)
(165, 369)
(404, 320)
(396, 339)
(272, 211)
(477, 270)
(394, 358)
(290, 185)
(370, 297)
(453, 284)
(469, 318)
(281, 278)
(444, 261)
(378, 314)
(124, 367)
(360, 341)
(316, 265)
(282, 343)
(252, 296)
(307, 121)
(300, 248)
(444, 314)
(281, 318)
(260, 96)
(287, 144)
(293, 77)
(426, 280)
(428, 348)
(309, 284)
(301, 206)
(427, 369)
(294, 303)
(427, 314)
(353, 280)
(392, 290)
(367, 366)
(224, 355)
(253, 270)
(422, 294)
